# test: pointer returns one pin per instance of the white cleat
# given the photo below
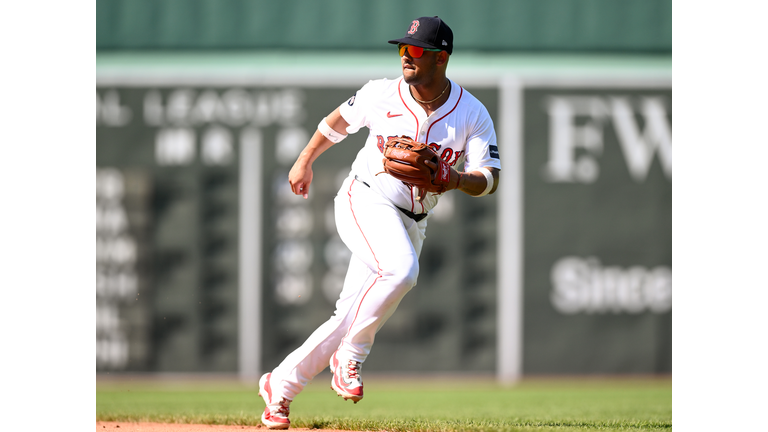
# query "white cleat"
(347, 381)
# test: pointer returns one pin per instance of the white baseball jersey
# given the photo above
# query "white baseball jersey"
(384, 241)
(460, 132)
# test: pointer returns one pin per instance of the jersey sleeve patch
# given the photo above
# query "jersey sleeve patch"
(494, 150)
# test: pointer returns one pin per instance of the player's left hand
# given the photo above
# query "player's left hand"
(442, 182)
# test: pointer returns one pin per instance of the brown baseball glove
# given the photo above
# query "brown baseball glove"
(417, 165)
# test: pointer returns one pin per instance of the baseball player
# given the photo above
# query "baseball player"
(381, 218)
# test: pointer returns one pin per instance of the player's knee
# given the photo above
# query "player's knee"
(404, 277)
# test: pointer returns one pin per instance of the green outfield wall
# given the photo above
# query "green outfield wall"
(582, 219)
(207, 263)
(628, 26)
(184, 145)
(598, 228)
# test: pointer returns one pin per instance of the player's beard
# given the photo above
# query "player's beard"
(423, 74)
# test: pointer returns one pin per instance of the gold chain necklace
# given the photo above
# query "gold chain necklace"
(429, 102)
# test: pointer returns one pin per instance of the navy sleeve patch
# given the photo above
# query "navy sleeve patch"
(351, 100)
(494, 151)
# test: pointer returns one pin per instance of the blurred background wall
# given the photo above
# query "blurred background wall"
(207, 263)
(624, 26)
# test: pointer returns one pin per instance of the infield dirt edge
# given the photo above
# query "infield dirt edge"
(179, 427)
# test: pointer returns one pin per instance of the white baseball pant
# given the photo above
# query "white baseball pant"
(385, 247)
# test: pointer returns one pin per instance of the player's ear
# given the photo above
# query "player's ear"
(442, 58)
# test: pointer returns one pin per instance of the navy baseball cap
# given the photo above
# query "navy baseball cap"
(428, 32)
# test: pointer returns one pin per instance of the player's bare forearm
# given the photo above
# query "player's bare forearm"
(474, 182)
(319, 143)
(300, 176)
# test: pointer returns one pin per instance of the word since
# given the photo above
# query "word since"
(584, 285)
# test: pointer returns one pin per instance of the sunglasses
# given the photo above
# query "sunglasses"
(414, 51)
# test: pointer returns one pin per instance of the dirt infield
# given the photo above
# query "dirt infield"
(176, 427)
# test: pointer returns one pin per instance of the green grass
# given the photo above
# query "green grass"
(428, 405)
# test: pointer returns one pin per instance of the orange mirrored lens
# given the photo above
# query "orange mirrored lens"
(414, 51)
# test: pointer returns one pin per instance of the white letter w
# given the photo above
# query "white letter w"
(639, 148)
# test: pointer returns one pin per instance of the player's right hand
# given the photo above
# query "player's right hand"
(300, 177)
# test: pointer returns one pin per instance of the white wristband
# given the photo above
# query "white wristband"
(328, 132)
(488, 179)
